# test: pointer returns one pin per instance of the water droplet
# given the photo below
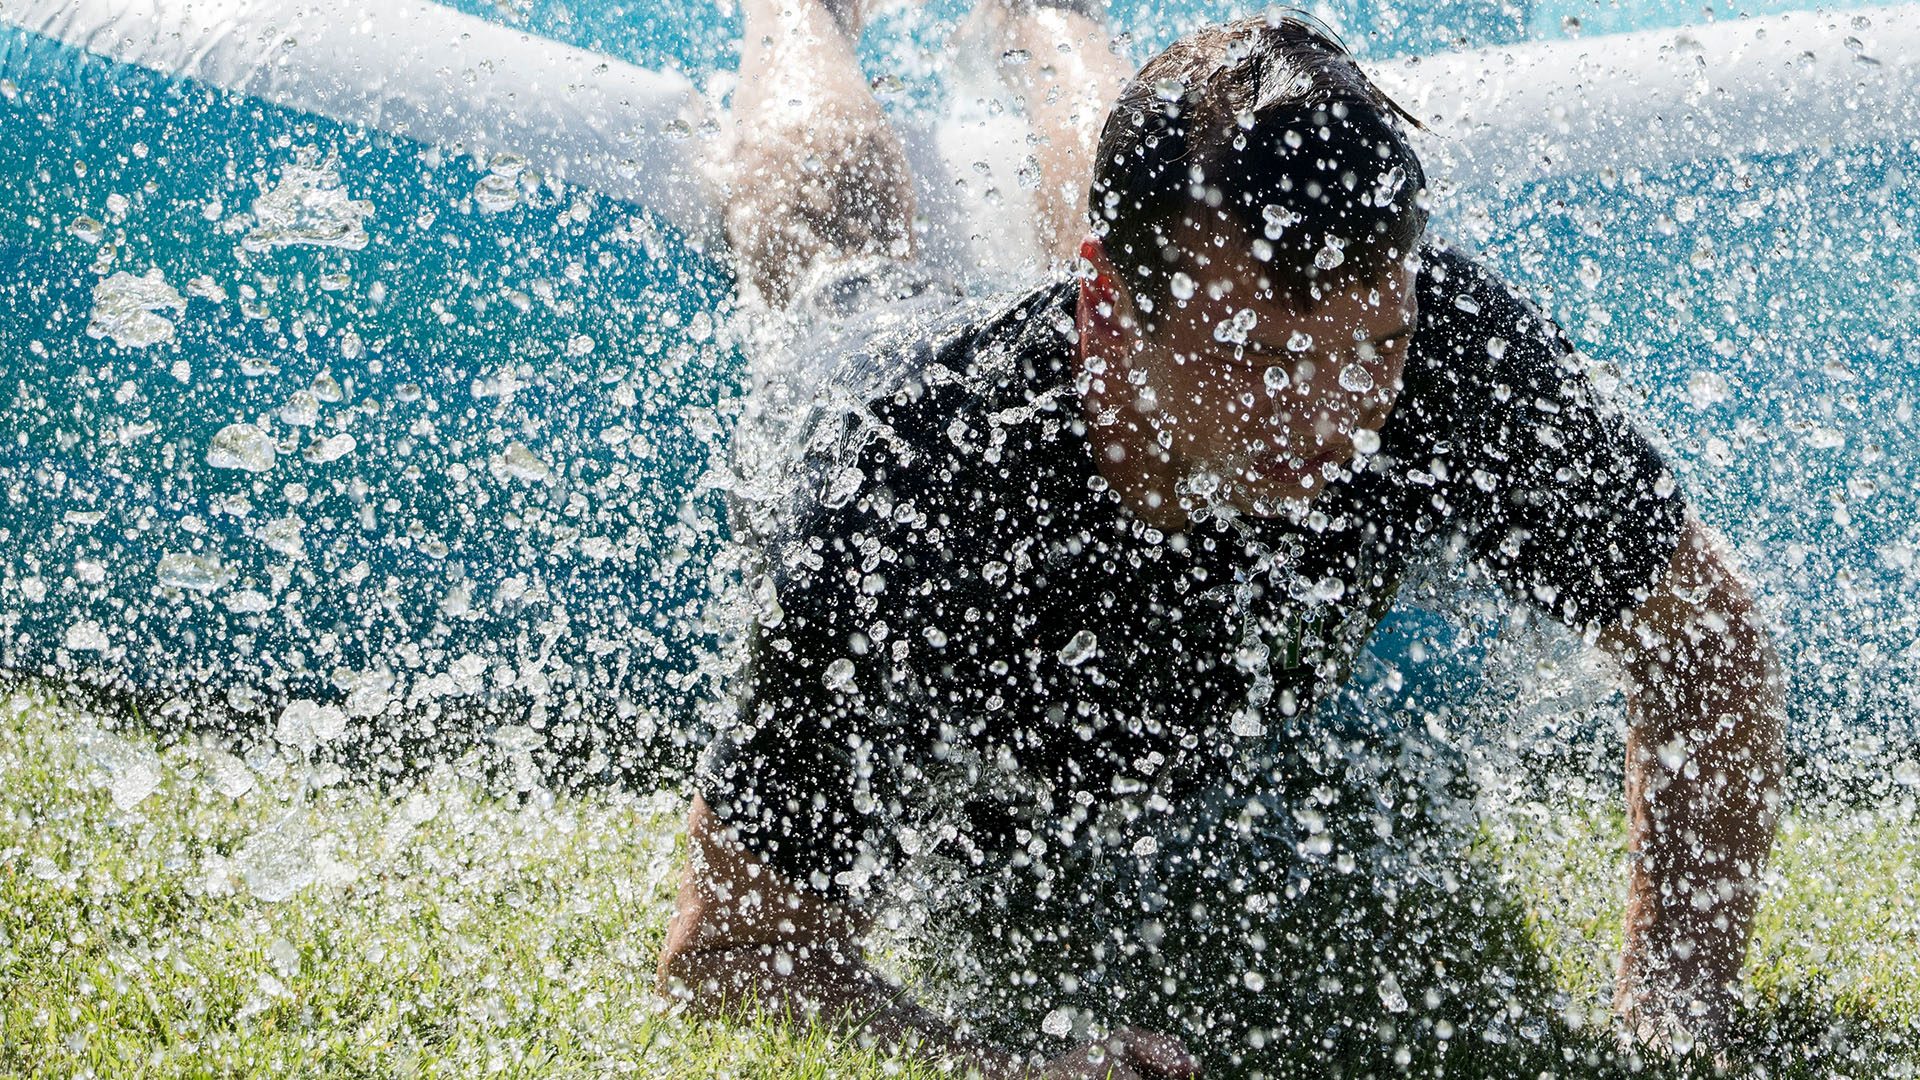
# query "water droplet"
(308, 207)
(1181, 285)
(305, 724)
(1570, 25)
(87, 230)
(249, 602)
(887, 85)
(1016, 57)
(523, 464)
(86, 636)
(194, 573)
(284, 535)
(1707, 388)
(277, 861)
(1589, 274)
(301, 410)
(1299, 341)
(1276, 379)
(1356, 379)
(331, 448)
(496, 194)
(127, 309)
(227, 774)
(241, 446)
(845, 485)
(1391, 996)
(129, 770)
(1366, 440)
(839, 676)
(1079, 649)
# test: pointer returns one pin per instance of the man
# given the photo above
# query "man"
(1044, 571)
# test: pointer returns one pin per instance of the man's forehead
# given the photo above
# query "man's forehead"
(1245, 285)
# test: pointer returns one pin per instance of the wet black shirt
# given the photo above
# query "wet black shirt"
(965, 638)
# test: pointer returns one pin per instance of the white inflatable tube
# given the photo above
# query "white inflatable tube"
(1496, 115)
(421, 70)
(1654, 98)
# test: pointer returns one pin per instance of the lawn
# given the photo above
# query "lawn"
(168, 909)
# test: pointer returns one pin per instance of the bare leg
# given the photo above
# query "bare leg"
(816, 173)
(1068, 84)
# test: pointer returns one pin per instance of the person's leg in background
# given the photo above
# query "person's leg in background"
(1069, 80)
(816, 173)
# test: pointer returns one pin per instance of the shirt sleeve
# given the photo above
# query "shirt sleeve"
(861, 590)
(1562, 499)
(792, 775)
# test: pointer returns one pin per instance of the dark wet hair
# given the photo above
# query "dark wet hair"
(1267, 124)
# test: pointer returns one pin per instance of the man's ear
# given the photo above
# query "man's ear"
(1105, 311)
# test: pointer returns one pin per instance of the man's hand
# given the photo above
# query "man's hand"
(744, 936)
(1703, 789)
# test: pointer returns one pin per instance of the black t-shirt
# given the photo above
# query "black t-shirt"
(974, 640)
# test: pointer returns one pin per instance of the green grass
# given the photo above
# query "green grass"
(451, 930)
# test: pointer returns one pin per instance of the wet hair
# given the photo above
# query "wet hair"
(1266, 125)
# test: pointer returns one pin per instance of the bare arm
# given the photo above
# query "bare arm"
(743, 937)
(1703, 788)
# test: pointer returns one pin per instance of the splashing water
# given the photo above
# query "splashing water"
(416, 518)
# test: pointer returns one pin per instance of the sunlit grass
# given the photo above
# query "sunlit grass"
(451, 930)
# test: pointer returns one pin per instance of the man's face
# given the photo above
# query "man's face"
(1239, 399)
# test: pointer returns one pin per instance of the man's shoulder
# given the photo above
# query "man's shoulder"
(1477, 332)
(943, 417)
(946, 392)
(986, 354)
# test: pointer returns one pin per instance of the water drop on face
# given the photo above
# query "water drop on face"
(1366, 440)
(1016, 57)
(1356, 379)
(1276, 379)
(1299, 342)
(1181, 286)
